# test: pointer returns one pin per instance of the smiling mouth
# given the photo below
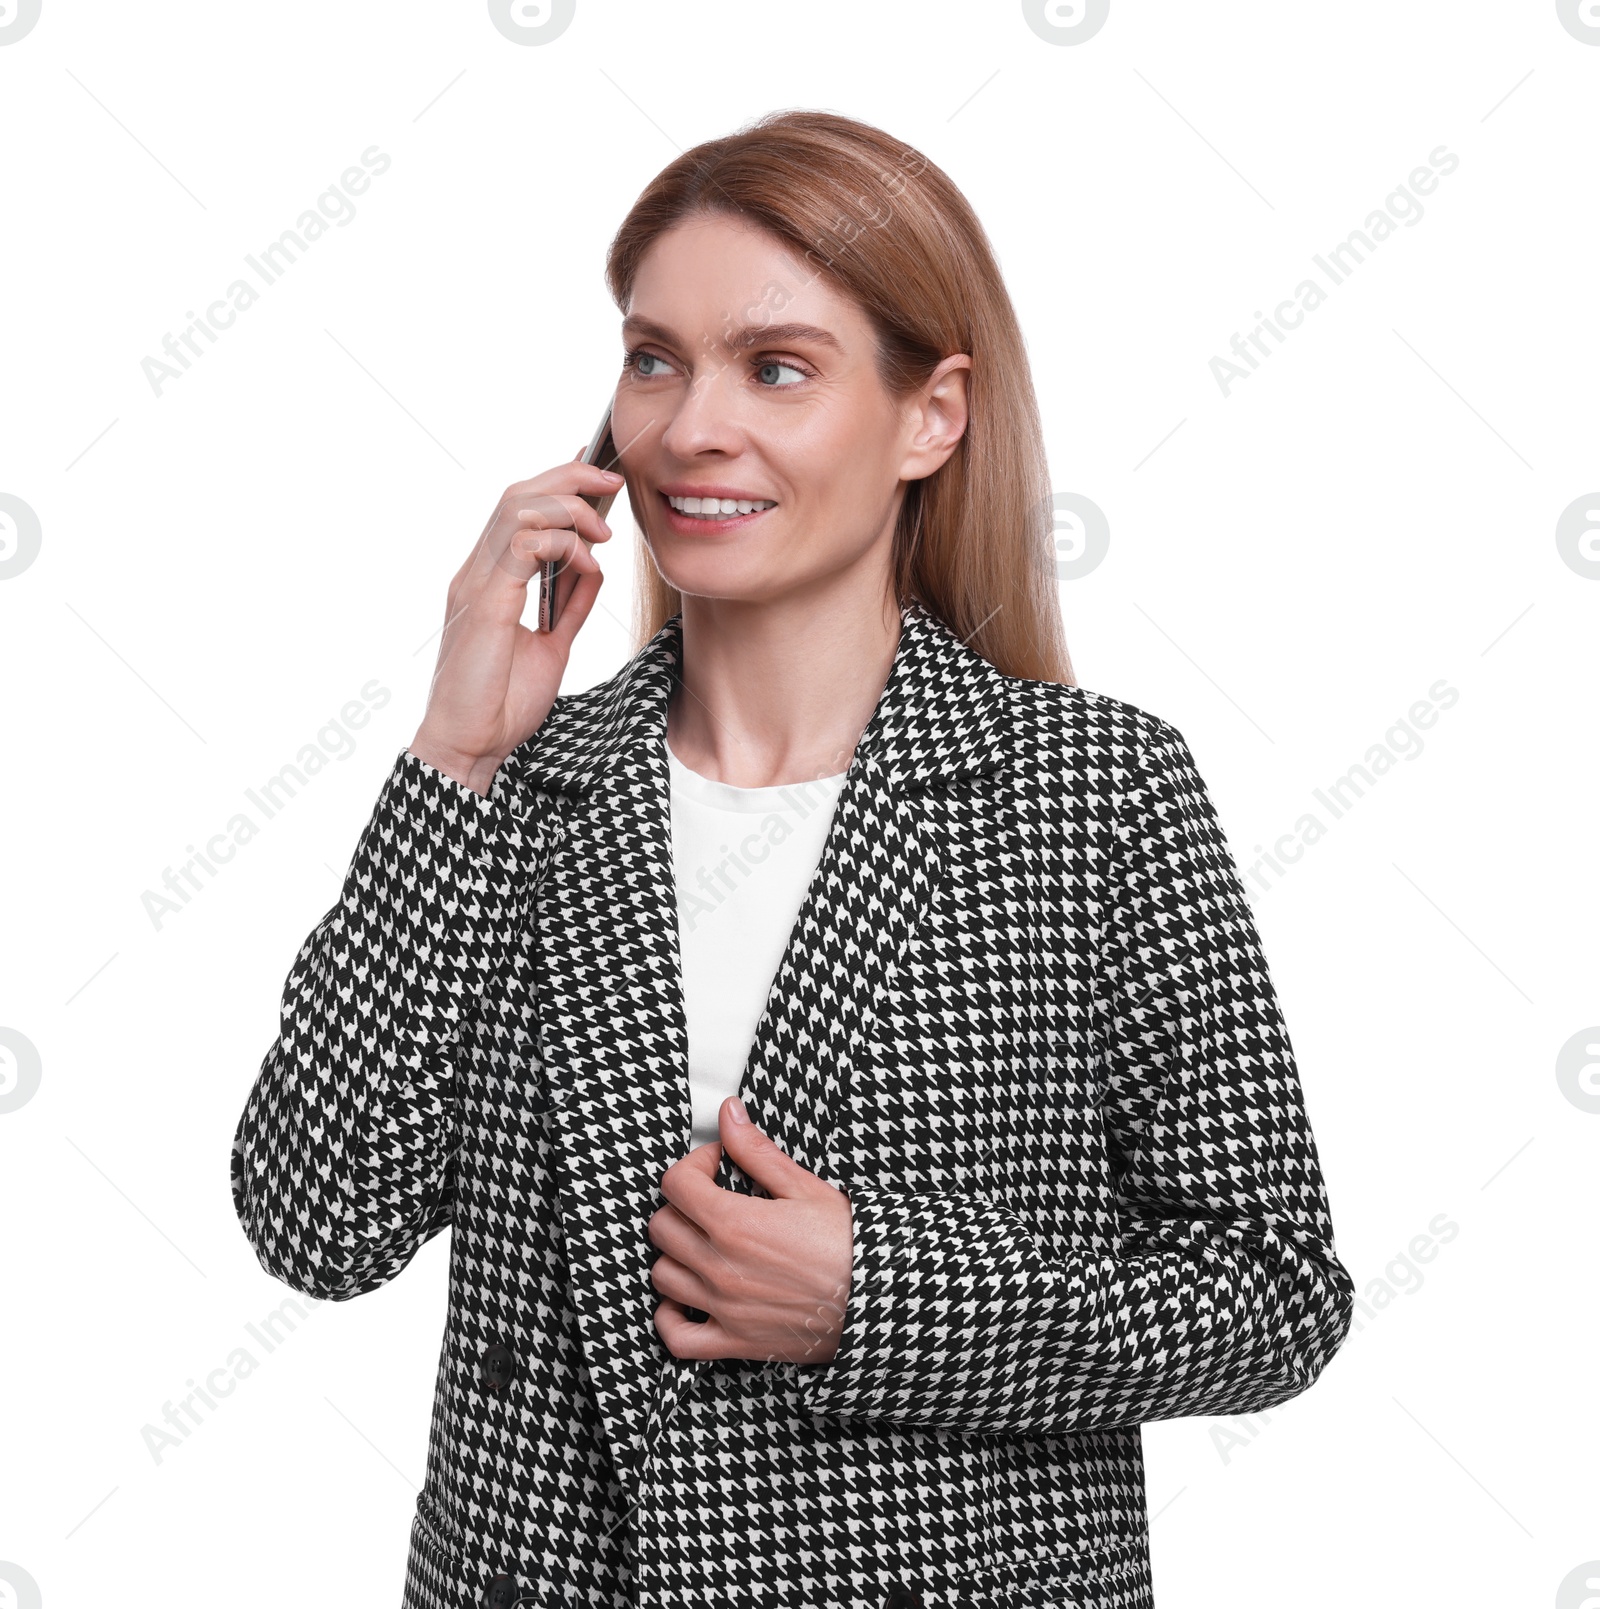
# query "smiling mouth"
(690, 514)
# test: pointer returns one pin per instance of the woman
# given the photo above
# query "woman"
(1023, 1160)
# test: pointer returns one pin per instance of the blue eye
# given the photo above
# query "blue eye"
(637, 357)
(773, 363)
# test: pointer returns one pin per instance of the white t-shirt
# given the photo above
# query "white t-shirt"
(743, 859)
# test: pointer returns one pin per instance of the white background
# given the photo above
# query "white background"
(224, 565)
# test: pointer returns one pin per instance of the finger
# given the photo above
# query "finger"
(589, 479)
(685, 1338)
(672, 1279)
(683, 1240)
(704, 1156)
(559, 545)
(558, 505)
(575, 604)
(689, 1243)
(547, 510)
(565, 500)
(531, 549)
(761, 1157)
(502, 549)
(690, 1185)
(517, 553)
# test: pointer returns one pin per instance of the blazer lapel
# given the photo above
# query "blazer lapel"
(614, 1033)
(610, 1015)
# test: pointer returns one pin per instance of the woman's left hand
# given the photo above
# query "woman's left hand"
(773, 1275)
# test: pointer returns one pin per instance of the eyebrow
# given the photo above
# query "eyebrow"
(741, 339)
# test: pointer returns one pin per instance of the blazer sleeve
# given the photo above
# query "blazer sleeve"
(1224, 1294)
(342, 1159)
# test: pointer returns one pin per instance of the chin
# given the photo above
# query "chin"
(698, 573)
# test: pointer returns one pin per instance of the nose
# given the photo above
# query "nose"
(705, 418)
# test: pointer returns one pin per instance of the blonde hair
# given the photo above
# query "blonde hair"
(974, 542)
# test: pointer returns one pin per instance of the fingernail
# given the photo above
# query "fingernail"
(737, 1111)
(610, 474)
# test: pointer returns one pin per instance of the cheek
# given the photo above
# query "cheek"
(629, 420)
(860, 486)
(841, 464)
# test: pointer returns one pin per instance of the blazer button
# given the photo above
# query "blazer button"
(496, 1368)
(502, 1593)
(903, 1597)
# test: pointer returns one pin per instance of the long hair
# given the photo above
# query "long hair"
(974, 541)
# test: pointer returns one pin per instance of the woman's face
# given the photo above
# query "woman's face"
(748, 377)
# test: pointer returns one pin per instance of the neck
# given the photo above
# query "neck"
(779, 692)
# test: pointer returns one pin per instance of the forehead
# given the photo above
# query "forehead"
(710, 277)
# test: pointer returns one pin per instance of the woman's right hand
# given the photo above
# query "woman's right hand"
(496, 680)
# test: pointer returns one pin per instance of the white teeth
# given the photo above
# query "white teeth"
(719, 507)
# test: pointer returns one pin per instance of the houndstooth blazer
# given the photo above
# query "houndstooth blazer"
(1023, 1021)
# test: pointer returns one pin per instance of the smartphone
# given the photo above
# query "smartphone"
(602, 450)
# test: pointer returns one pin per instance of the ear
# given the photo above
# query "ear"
(937, 417)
